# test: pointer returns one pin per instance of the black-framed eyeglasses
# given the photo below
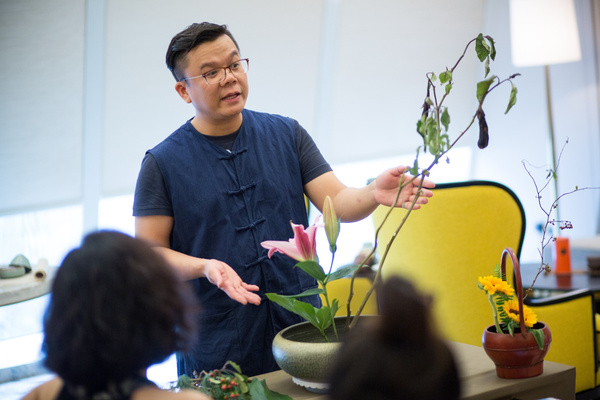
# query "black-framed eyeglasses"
(217, 75)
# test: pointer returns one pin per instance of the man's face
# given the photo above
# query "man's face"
(217, 104)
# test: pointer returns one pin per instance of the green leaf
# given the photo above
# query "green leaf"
(448, 88)
(487, 67)
(513, 98)
(445, 76)
(482, 49)
(301, 308)
(235, 366)
(313, 269)
(414, 171)
(309, 292)
(538, 334)
(433, 134)
(492, 47)
(511, 329)
(323, 316)
(184, 382)
(259, 390)
(306, 311)
(343, 272)
(483, 86)
(242, 381)
(335, 306)
(433, 77)
(445, 118)
(421, 125)
(283, 301)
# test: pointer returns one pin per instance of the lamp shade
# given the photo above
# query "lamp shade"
(543, 32)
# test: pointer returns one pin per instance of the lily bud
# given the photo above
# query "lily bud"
(332, 223)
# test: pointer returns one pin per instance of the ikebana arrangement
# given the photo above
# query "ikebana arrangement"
(433, 127)
(505, 307)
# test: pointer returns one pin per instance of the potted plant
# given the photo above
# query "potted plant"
(432, 126)
(517, 342)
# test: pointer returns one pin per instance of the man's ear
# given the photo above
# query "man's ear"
(181, 89)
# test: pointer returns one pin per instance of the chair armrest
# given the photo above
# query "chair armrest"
(571, 318)
(560, 298)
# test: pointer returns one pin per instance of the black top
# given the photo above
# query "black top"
(114, 391)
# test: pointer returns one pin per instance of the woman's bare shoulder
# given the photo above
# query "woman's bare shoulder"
(46, 391)
(153, 393)
(191, 395)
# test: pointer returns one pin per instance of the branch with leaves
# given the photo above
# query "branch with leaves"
(434, 124)
(433, 127)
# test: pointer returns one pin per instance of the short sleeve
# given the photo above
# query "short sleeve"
(151, 195)
(312, 162)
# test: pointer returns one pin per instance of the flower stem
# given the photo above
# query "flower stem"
(331, 313)
(495, 312)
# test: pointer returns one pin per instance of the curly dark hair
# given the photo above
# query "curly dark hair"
(187, 40)
(398, 356)
(116, 308)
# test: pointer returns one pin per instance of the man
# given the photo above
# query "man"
(225, 181)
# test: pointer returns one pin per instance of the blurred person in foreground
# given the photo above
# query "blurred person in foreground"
(398, 355)
(116, 308)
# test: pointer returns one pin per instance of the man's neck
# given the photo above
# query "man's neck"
(217, 128)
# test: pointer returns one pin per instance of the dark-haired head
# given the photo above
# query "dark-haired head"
(116, 308)
(399, 355)
(187, 40)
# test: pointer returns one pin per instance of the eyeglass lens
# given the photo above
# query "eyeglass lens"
(239, 67)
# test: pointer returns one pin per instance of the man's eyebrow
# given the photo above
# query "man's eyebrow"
(213, 64)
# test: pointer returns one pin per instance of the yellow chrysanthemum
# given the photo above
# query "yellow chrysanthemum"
(492, 284)
(511, 308)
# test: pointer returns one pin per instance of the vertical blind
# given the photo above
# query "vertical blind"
(41, 50)
(367, 78)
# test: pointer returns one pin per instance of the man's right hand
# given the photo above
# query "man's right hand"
(225, 278)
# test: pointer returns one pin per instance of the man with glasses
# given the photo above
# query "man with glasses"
(226, 180)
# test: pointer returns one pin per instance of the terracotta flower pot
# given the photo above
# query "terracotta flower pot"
(516, 356)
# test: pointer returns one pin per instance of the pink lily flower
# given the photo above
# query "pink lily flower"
(302, 247)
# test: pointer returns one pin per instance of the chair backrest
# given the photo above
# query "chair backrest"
(446, 245)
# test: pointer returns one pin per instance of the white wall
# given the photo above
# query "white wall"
(352, 72)
(522, 134)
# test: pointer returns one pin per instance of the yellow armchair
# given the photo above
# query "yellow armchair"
(445, 246)
(570, 317)
(340, 289)
(460, 235)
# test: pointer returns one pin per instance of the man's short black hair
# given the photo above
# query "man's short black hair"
(188, 39)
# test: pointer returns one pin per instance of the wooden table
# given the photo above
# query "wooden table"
(478, 379)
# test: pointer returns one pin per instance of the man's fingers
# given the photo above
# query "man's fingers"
(252, 288)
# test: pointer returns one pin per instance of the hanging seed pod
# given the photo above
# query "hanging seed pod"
(484, 136)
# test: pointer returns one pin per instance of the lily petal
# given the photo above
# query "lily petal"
(288, 248)
(302, 247)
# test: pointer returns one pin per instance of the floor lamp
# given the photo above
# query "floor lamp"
(542, 33)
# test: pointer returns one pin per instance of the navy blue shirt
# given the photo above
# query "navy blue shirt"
(224, 203)
(151, 197)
